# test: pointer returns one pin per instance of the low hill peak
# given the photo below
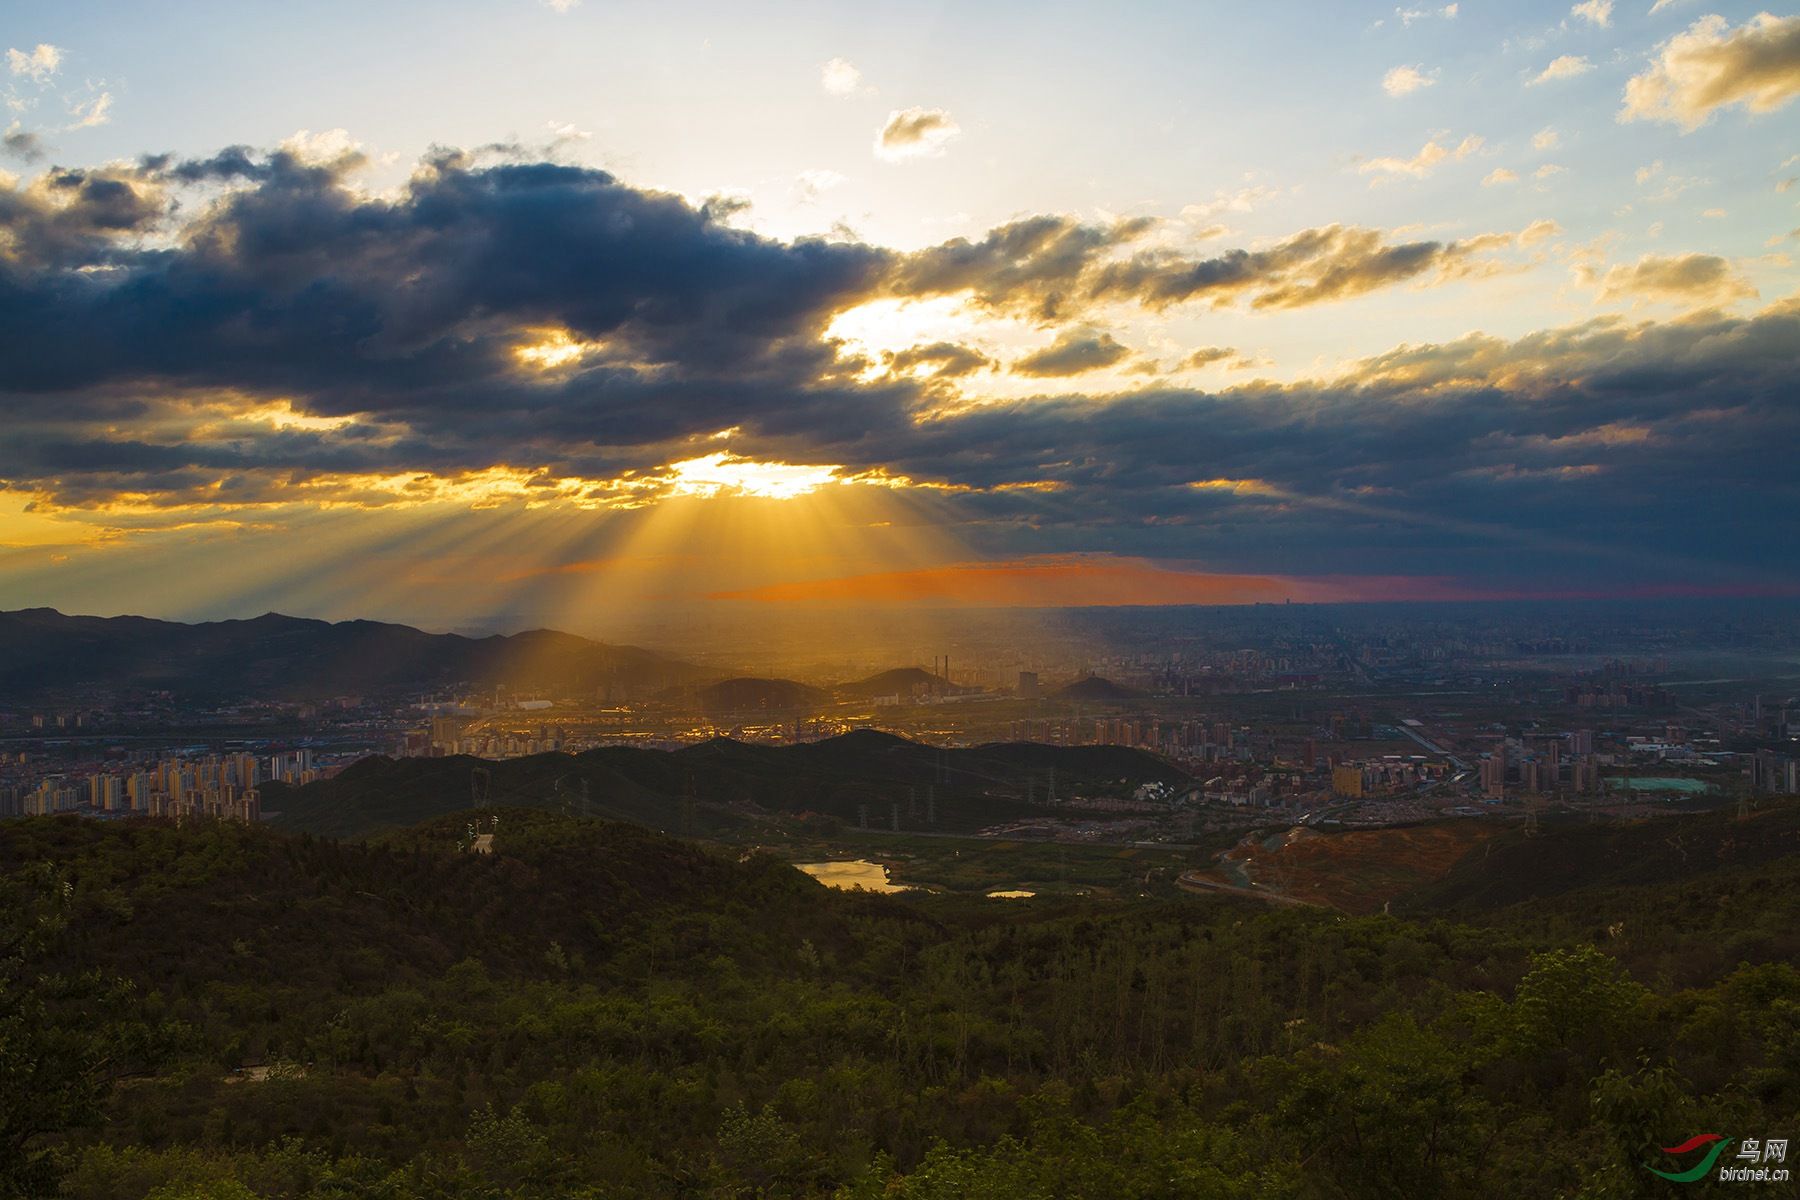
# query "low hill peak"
(1097, 687)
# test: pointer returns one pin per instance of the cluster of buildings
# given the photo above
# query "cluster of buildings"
(1240, 793)
(1541, 767)
(1614, 693)
(1772, 774)
(75, 720)
(457, 734)
(222, 786)
(1385, 776)
(1204, 741)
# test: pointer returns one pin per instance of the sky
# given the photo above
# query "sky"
(514, 312)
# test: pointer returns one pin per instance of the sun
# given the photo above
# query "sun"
(557, 348)
(726, 474)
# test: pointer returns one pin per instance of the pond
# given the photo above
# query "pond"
(852, 874)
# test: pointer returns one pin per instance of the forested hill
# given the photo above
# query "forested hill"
(593, 1010)
(418, 902)
(722, 783)
(1579, 855)
(45, 653)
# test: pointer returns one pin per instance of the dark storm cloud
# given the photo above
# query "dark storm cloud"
(1054, 267)
(1038, 264)
(22, 144)
(947, 360)
(1313, 267)
(1072, 353)
(73, 220)
(1206, 356)
(1614, 444)
(297, 284)
(293, 282)
(149, 312)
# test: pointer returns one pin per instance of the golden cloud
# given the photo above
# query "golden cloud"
(1713, 66)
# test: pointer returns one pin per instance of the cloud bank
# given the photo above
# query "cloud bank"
(182, 338)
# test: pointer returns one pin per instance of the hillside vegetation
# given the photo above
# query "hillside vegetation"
(1579, 855)
(721, 784)
(596, 1010)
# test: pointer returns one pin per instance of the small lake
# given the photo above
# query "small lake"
(1014, 894)
(855, 873)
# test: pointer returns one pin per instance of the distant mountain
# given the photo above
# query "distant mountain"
(1096, 688)
(901, 681)
(747, 695)
(43, 652)
(724, 783)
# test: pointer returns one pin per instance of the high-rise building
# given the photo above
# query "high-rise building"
(1584, 776)
(1493, 774)
(446, 733)
(1763, 772)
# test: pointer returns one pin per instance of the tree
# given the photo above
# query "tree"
(1576, 1000)
(759, 1148)
(1389, 1111)
(61, 1046)
(508, 1149)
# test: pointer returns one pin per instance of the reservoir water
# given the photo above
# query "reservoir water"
(855, 873)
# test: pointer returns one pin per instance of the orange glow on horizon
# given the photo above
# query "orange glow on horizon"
(1100, 581)
(1050, 582)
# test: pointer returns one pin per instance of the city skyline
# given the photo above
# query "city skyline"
(519, 307)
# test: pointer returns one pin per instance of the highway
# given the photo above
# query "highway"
(1191, 881)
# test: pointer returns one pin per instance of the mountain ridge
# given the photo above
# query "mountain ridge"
(722, 783)
(45, 652)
